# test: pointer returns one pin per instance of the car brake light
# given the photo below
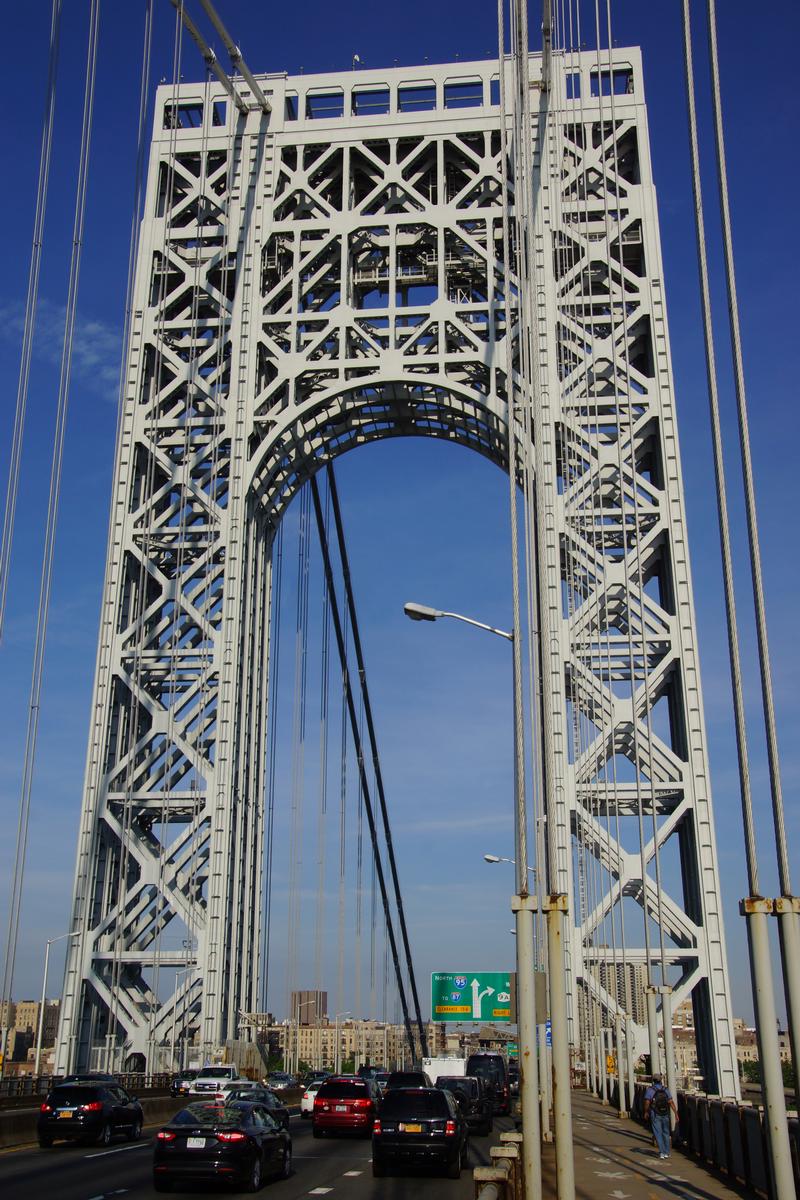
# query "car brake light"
(232, 1137)
(164, 1135)
(376, 1126)
(450, 1129)
(362, 1104)
(93, 1106)
(46, 1108)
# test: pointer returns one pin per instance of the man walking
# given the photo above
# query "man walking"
(657, 1106)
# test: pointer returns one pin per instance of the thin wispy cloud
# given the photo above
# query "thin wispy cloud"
(96, 346)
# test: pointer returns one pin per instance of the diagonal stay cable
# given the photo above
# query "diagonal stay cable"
(364, 782)
(373, 745)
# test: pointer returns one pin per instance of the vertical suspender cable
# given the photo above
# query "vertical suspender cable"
(787, 907)
(358, 743)
(31, 301)
(373, 744)
(46, 579)
(755, 912)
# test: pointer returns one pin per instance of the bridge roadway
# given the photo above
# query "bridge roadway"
(613, 1158)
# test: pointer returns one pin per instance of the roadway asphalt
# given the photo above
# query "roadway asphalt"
(334, 1167)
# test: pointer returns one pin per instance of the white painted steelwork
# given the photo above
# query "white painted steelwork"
(312, 278)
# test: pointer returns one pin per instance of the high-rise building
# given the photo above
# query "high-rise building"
(308, 1007)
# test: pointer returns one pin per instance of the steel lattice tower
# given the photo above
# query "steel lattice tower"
(309, 280)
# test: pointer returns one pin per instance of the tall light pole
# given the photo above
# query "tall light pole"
(523, 905)
(300, 1004)
(337, 1060)
(40, 1023)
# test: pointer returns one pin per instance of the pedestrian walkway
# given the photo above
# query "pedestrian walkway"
(616, 1158)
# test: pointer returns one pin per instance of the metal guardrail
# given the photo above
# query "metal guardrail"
(728, 1136)
(21, 1086)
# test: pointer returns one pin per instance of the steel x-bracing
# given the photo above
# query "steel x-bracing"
(311, 278)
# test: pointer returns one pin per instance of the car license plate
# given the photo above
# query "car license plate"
(410, 1128)
(340, 1108)
(195, 1143)
(66, 1112)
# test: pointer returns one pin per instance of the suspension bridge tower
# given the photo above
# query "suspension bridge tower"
(320, 270)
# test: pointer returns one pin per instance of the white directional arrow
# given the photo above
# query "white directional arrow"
(477, 996)
(620, 1195)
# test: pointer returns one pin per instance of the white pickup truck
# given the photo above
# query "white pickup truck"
(211, 1080)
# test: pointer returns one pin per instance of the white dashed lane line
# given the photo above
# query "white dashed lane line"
(352, 1173)
(120, 1150)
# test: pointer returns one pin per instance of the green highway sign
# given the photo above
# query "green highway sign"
(471, 996)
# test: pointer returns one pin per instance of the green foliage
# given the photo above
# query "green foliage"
(751, 1073)
(304, 1068)
(349, 1066)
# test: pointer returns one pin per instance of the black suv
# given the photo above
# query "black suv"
(419, 1127)
(491, 1067)
(89, 1112)
(408, 1079)
(477, 1106)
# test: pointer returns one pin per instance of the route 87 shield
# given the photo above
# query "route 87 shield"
(472, 996)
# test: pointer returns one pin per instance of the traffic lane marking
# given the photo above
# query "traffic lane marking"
(119, 1150)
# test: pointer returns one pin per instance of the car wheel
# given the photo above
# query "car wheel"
(45, 1142)
(254, 1182)
(454, 1168)
(488, 1126)
(378, 1169)
(161, 1185)
(104, 1136)
(287, 1163)
(317, 1133)
(135, 1131)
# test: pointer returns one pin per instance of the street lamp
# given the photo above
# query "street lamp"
(523, 904)
(338, 1056)
(300, 1004)
(40, 1025)
(498, 858)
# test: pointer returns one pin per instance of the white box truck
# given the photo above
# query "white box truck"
(443, 1065)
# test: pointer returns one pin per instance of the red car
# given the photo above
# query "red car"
(345, 1103)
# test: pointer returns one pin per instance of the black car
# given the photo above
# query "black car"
(263, 1096)
(419, 1127)
(90, 1077)
(477, 1106)
(89, 1112)
(408, 1079)
(235, 1143)
(491, 1067)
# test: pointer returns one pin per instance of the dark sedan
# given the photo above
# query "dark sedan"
(236, 1143)
(263, 1096)
(89, 1112)
(420, 1127)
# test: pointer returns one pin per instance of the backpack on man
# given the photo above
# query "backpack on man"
(660, 1102)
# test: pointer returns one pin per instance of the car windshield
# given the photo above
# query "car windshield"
(216, 1073)
(423, 1103)
(211, 1114)
(487, 1066)
(346, 1090)
(407, 1079)
(74, 1095)
(457, 1083)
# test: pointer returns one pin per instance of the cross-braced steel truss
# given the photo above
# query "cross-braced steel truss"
(309, 280)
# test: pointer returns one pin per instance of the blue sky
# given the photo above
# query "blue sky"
(424, 521)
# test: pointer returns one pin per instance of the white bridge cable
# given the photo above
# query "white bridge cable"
(31, 303)
(767, 697)
(277, 561)
(46, 579)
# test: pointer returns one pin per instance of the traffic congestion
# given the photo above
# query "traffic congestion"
(326, 1133)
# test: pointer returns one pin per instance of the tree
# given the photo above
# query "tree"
(349, 1066)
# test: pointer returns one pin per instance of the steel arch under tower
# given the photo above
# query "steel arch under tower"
(308, 280)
